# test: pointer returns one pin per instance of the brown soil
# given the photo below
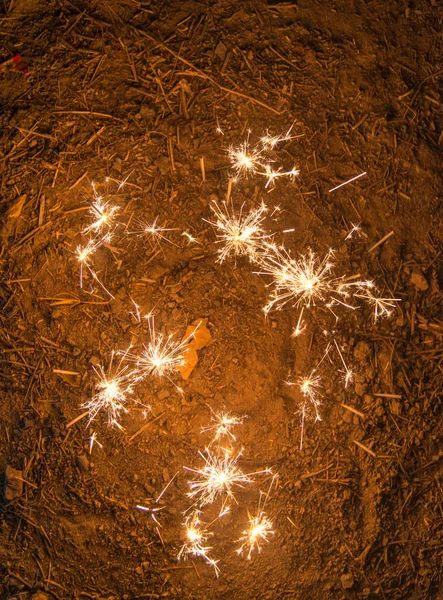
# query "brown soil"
(136, 90)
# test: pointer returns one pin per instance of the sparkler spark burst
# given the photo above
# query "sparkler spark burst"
(309, 387)
(259, 530)
(162, 355)
(302, 281)
(253, 159)
(309, 280)
(222, 425)
(245, 160)
(153, 231)
(219, 477)
(259, 527)
(195, 542)
(103, 212)
(382, 306)
(241, 234)
(84, 253)
(113, 387)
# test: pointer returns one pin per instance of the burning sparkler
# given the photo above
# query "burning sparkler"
(103, 212)
(113, 387)
(272, 174)
(349, 375)
(311, 398)
(196, 539)
(309, 280)
(303, 281)
(355, 228)
(219, 477)
(84, 254)
(245, 159)
(190, 238)
(253, 159)
(241, 234)
(162, 355)
(259, 531)
(259, 527)
(222, 425)
(153, 231)
(382, 306)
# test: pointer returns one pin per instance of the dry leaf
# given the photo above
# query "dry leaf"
(14, 211)
(197, 335)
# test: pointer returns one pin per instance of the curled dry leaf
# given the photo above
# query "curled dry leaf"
(196, 337)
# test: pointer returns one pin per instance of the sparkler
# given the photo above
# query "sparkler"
(161, 356)
(253, 159)
(354, 229)
(382, 306)
(349, 375)
(219, 476)
(241, 234)
(113, 387)
(191, 239)
(84, 254)
(309, 280)
(259, 527)
(303, 281)
(153, 231)
(245, 159)
(269, 142)
(223, 422)
(272, 175)
(309, 387)
(259, 530)
(196, 539)
(103, 212)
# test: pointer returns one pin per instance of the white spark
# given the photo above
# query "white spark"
(349, 181)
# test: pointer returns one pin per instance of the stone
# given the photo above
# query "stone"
(82, 463)
(419, 281)
(13, 483)
(347, 581)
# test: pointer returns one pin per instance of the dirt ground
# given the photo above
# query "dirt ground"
(154, 93)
